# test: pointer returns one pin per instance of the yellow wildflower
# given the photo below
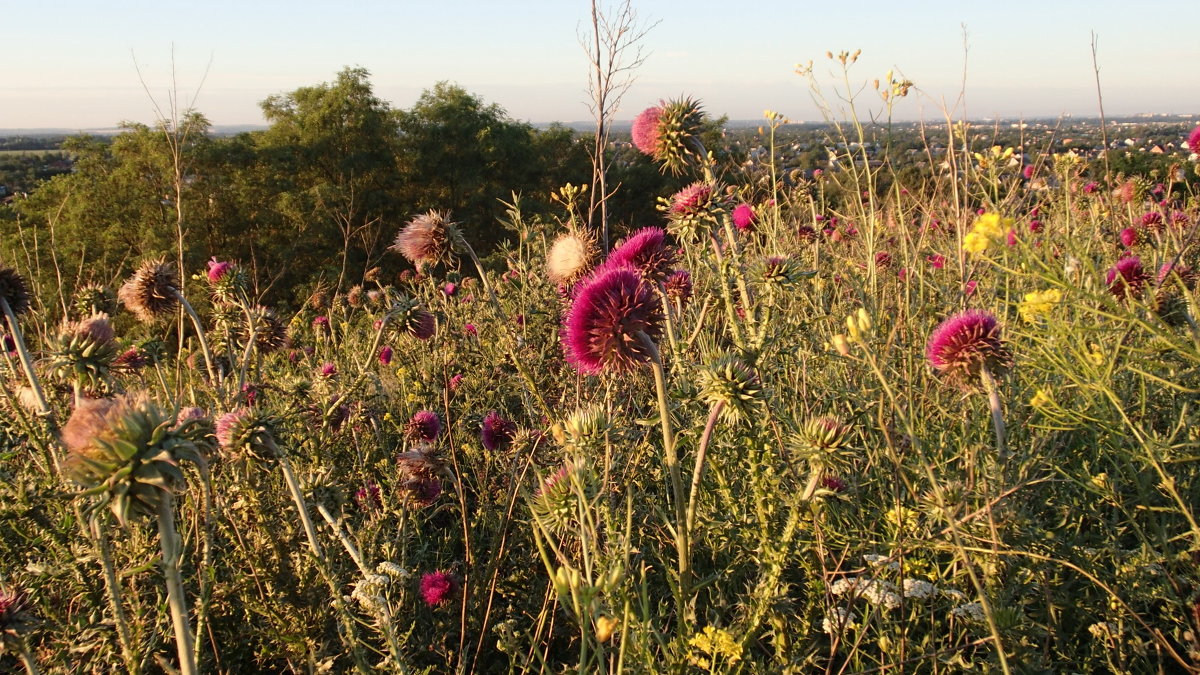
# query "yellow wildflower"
(1039, 303)
(975, 242)
(1041, 399)
(712, 643)
(988, 228)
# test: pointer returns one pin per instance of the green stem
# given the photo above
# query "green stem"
(993, 393)
(168, 540)
(26, 361)
(672, 459)
(113, 591)
(208, 361)
(701, 455)
(31, 666)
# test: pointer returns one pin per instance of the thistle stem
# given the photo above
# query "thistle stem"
(208, 361)
(701, 454)
(31, 666)
(168, 540)
(672, 459)
(993, 393)
(26, 361)
(131, 657)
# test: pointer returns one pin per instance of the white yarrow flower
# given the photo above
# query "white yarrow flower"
(838, 620)
(918, 589)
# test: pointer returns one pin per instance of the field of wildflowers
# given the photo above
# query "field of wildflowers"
(937, 427)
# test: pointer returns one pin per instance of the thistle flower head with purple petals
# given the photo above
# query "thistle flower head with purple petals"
(645, 130)
(425, 240)
(604, 331)
(744, 217)
(423, 427)
(964, 344)
(1194, 141)
(496, 431)
(1126, 278)
(645, 251)
(438, 587)
(217, 269)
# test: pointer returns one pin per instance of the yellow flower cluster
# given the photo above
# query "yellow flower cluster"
(712, 643)
(988, 228)
(996, 156)
(1038, 304)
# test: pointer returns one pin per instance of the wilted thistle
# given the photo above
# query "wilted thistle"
(15, 623)
(570, 257)
(646, 252)
(152, 290)
(265, 328)
(729, 382)
(427, 240)
(966, 343)
(418, 470)
(669, 132)
(83, 353)
(94, 299)
(609, 321)
(13, 291)
(1174, 283)
(781, 272)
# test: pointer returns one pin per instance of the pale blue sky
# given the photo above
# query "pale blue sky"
(71, 64)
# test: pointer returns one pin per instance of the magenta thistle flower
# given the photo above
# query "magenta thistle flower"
(423, 427)
(228, 424)
(833, 484)
(744, 217)
(1126, 278)
(1153, 220)
(420, 324)
(604, 328)
(425, 240)
(368, 497)
(1027, 172)
(1035, 226)
(970, 287)
(470, 329)
(320, 323)
(679, 287)
(455, 381)
(937, 261)
(1194, 141)
(496, 431)
(1130, 237)
(450, 288)
(1091, 188)
(1185, 273)
(691, 199)
(328, 369)
(385, 355)
(217, 270)
(883, 260)
(645, 130)
(131, 359)
(438, 587)
(965, 343)
(645, 251)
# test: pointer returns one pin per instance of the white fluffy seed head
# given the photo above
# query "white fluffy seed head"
(569, 258)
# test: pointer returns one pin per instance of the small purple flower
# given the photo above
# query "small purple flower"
(1153, 220)
(1035, 226)
(423, 427)
(328, 369)
(227, 423)
(455, 381)
(385, 355)
(437, 588)
(450, 288)
(969, 287)
(679, 287)
(320, 323)
(496, 431)
(937, 261)
(883, 260)
(368, 498)
(1130, 237)
(470, 329)
(833, 484)
(1091, 187)
(744, 217)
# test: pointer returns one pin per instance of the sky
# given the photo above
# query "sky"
(88, 65)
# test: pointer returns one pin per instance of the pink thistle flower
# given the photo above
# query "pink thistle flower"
(1130, 237)
(645, 130)
(1035, 226)
(679, 286)
(131, 359)
(421, 324)
(937, 261)
(217, 270)
(423, 427)
(385, 355)
(1194, 141)
(321, 323)
(438, 587)
(965, 343)
(744, 217)
(1126, 278)
(691, 199)
(1091, 187)
(883, 260)
(1153, 220)
(833, 484)
(470, 329)
(228, 423)
(902, 274)
(496, 431)
(1011, 237)
(969, 287)
(450, 288)
(368, 497)
(425, 240)
(1027, 172)
(806, 233)
(1185, 273)
(1180, 220)
(328, 369)
(645, 251)
(455, 381)
(603, 329)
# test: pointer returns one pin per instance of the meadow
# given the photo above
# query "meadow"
(831, 422)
